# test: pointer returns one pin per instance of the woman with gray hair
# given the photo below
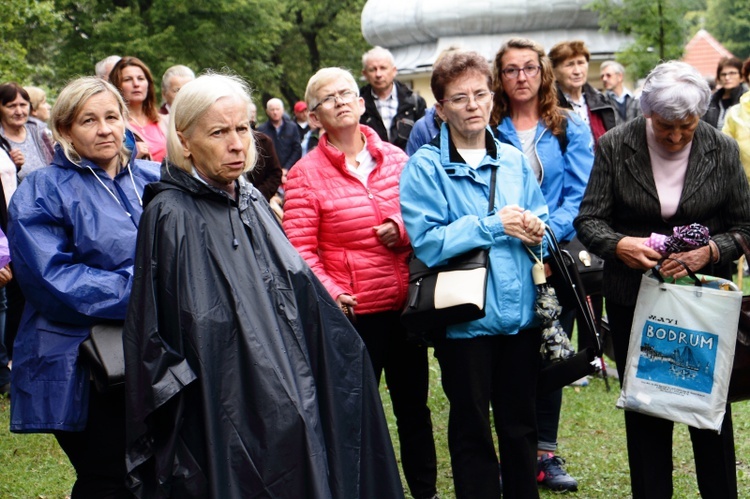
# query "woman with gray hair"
(665, 169)
(243, 378)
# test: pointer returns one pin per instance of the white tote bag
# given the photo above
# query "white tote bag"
(681, 350)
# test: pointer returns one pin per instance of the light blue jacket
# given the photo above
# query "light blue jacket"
(72, 241)
(444, 207)
(564, 178)
(423, 132)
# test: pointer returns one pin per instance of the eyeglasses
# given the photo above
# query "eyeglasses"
(729, 73)
(345, 97)
(461, 100)
(530, 71)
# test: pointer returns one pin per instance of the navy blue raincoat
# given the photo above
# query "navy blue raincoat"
(72, 231)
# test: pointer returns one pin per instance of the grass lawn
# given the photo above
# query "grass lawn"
(592, 439)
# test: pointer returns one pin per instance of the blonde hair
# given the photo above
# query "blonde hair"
(322, 78)
(36, 97)
(193, 101)
(69, 104)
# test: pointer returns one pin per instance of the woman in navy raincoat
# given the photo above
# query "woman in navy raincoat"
(72, 234)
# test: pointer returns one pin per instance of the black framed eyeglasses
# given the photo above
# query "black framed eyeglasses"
(530, 71)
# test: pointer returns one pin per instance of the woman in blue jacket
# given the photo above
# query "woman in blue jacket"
(72, 235)
(493, 360)
(558, 146)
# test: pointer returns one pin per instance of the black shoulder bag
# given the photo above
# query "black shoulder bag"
(452, 293)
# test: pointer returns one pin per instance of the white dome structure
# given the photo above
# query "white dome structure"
(416, 31)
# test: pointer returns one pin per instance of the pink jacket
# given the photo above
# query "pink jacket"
(329, 217)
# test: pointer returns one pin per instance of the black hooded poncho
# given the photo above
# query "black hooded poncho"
(243, 378)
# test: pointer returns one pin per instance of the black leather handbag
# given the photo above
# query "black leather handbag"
(104, 354)
(452, 293)
(590, 267)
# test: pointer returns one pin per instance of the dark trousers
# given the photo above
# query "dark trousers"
(650, 438)
(98, 452)
(500, 370)
(549, 405)
(4, 357)
(407, 376)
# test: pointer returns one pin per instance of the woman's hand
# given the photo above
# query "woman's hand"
(522, 224)
(347, 303)
(5, 276)
(635, 254)
(387, 233)
(142, 151)
(695, 259)
(17, 156)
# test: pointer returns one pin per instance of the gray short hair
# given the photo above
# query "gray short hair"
(377, 52)
(675, 90)
(322, 78)
(193, 101)
(616, 66)
(177, 70)
(101, 66)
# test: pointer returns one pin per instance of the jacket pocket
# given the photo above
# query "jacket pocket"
(56, 353)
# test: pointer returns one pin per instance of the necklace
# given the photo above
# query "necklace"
(137, 121)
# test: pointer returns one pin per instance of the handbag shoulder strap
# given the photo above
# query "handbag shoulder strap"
(493, 181)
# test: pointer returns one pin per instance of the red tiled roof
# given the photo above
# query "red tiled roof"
(703, 52)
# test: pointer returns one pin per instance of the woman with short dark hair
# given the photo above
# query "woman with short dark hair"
(729, 79)
(30, 148)
(494, 361)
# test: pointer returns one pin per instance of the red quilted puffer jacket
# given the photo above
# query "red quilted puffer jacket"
(329, 217)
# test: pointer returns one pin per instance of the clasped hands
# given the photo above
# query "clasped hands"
(522, 224)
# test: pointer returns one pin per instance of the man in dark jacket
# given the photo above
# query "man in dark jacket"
(622, 99)
(284, 133)
(391, 108)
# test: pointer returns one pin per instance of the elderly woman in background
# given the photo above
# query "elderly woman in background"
(342, 213)
(30, 147)
(557, 144)
(40, 109)
(134, 81)
(665, 169)
(570, 63)
(72, 234)
(445, 190)
(731, 88)
(243, 377)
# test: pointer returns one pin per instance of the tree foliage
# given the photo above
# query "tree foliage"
(729, 22)
(274, 44)
(659, 29)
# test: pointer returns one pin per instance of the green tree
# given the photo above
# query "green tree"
(319, 33)
(27, 35)
(276, 45)
(658, 27)
(729, 22)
